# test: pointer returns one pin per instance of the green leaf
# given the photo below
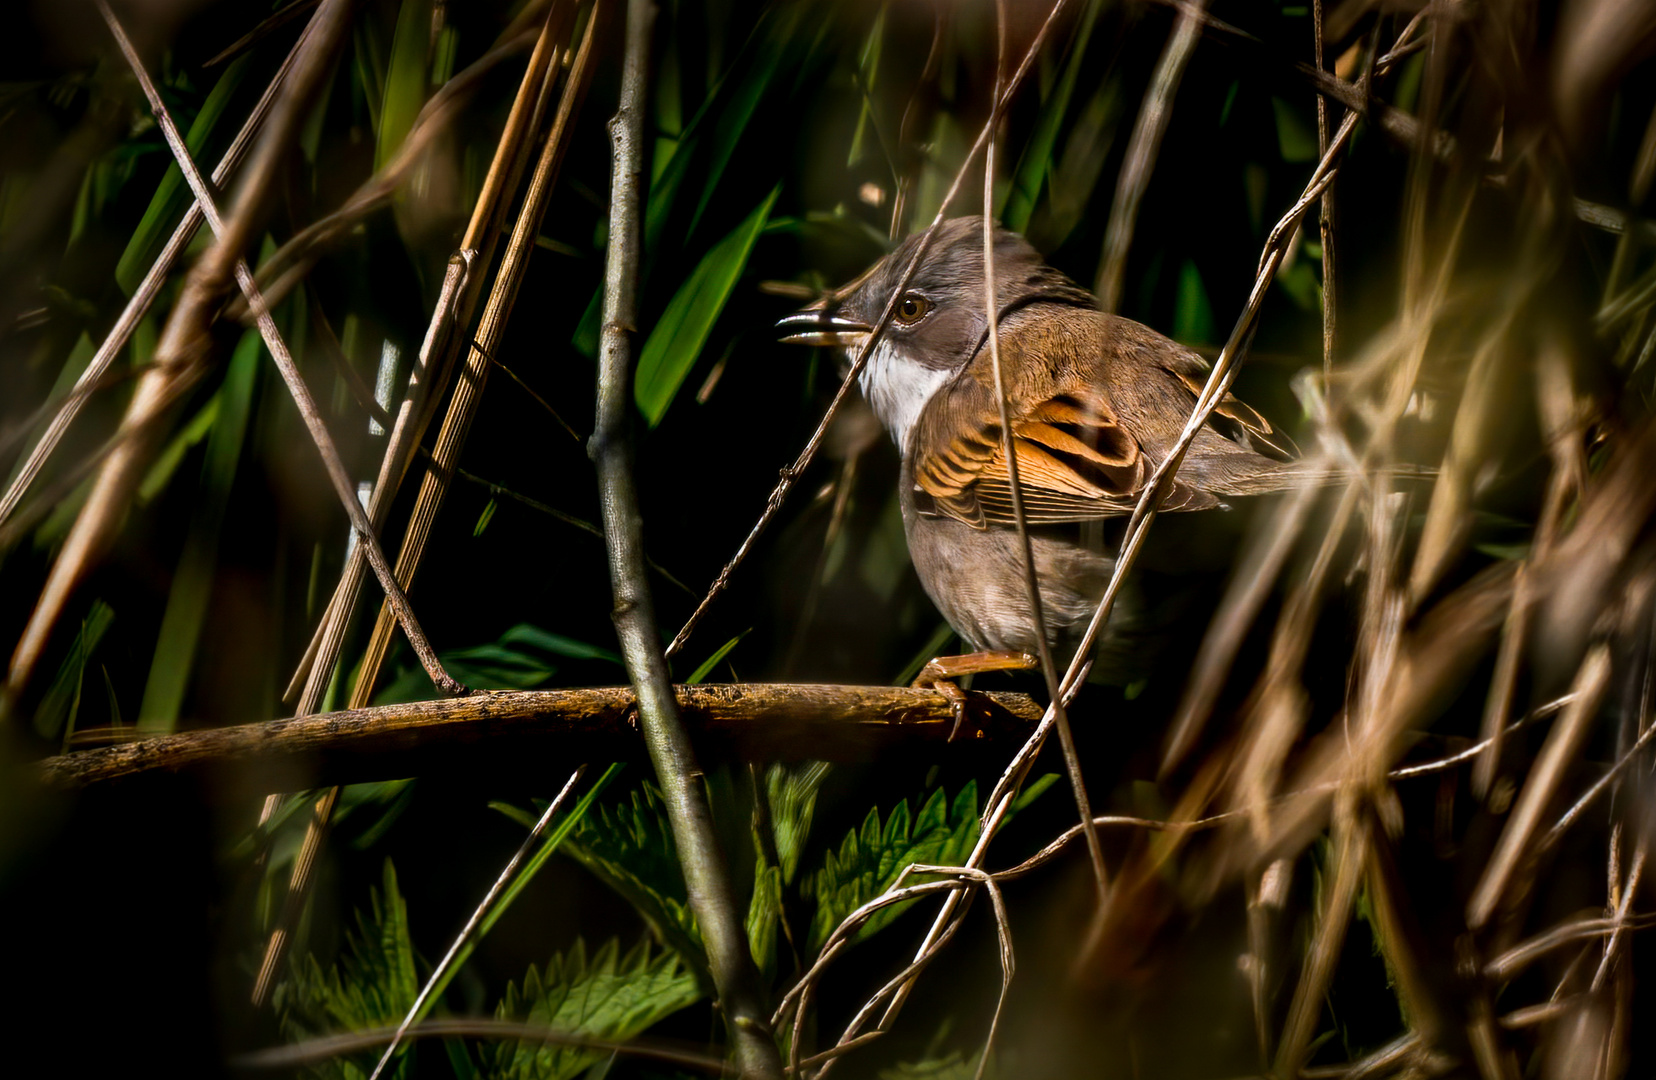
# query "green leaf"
(1296, 140)
(630, 848)
(712, 662)
(678, 338)
(405, 78)
(869, 860)
(172, 196)
(55, 716)
(764, 917)
(610, 997)
(1035, 164)
(792, 795)
(373, 984)
(1192, 314)
(192, 584)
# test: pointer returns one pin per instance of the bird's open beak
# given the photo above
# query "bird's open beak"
(818, 325)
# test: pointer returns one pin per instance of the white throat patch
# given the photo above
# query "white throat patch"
(898, 388)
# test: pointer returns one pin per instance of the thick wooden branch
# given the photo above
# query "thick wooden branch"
(522, 731)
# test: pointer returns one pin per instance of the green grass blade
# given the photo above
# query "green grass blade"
(192, 586)
(678, 338)
(171, 196)
(405, 78)
(1036, 164)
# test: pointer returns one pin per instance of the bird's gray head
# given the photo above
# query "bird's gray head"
(939, 322)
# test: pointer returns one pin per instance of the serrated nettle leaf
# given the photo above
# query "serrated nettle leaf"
(679, 336)
(629, 847)
(610, 997)
(792, 794)
(372, 984)
(871, 858)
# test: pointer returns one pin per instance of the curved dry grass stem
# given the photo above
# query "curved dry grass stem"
(142, 297)
(1032, 584)
(183, 352)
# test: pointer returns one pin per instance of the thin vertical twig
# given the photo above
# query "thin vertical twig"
(706, 875)
(1037, 616)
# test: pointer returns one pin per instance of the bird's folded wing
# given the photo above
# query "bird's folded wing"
(1075, 460)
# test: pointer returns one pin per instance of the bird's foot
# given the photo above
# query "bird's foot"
(940, 674)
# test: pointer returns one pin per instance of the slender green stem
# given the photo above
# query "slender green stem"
(705, 874)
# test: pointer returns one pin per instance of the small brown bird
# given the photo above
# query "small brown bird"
(1096, 402)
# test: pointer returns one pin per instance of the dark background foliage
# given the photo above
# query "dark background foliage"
(138, 914)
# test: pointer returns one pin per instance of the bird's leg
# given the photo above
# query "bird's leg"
(940, 674)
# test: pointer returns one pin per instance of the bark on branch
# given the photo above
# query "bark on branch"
(491, 733)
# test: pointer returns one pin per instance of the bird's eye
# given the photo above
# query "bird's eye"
(912, 308)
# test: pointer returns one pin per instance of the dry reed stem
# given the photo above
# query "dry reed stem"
(505, 170)
(434, 483)
(468, 393)
(142, 298)
(1350, 854)
(333, 465)
(1563, 742)
(182, 353)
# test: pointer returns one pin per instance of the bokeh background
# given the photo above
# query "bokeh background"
(791, 143)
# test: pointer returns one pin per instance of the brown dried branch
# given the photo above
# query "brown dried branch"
(755, 721)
